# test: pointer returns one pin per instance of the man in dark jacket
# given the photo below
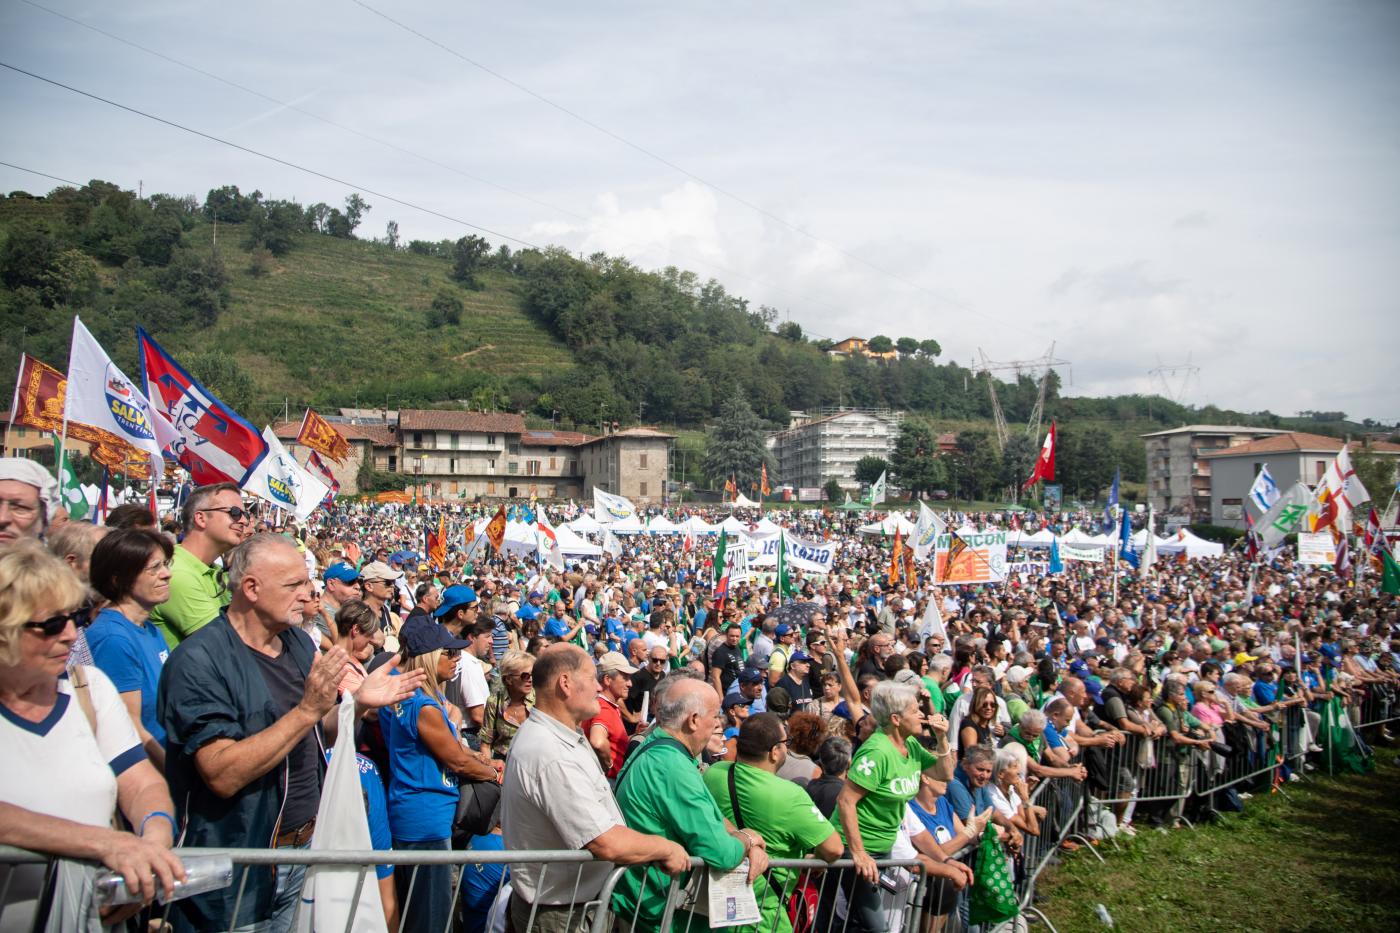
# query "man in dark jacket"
(243, 702)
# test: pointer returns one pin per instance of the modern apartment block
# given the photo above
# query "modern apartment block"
(1178, 472)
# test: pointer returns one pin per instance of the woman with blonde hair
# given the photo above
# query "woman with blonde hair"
(508, 706)
(425, 760)
(73, 753)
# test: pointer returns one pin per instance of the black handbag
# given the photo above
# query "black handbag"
(477, 806)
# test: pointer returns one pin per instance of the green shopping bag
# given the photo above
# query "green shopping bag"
(993, 899)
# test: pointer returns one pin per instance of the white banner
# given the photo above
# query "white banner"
(1089, 553)
(283, 482)
(1029, 567)
(811, 556)
(1316, 548)
(609, 508)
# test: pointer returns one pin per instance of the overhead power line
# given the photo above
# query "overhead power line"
(271, 158)
(76, 184)
(417, 155)
(572, 114)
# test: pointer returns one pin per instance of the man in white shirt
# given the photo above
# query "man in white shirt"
(554, 796)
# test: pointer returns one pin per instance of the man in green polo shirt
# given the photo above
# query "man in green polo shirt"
(775, 807)
(661, 793)
(214, 522)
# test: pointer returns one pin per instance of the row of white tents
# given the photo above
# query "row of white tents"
(894, 522)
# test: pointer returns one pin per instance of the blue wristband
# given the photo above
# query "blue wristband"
(154, 813)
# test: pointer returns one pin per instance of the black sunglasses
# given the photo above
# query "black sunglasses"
(54, 625)
(235, 513)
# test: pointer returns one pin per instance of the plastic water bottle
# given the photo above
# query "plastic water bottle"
(1104, 915)
(203, 873)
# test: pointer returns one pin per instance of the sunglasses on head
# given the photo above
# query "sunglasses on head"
(55, 624)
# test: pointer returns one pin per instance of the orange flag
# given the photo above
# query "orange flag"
(763, 487)
(321, 436)
(897, 559)
(38, 403)
(496, 529)
(437, 544)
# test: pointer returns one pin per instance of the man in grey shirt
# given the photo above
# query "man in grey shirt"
(554, 796)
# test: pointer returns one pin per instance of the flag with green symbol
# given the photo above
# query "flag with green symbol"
(993, 898)
(69, 489)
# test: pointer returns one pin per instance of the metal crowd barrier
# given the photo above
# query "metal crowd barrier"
(904, 900)
(1379, 706)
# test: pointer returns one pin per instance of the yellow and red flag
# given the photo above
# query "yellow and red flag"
(496, 529)
(38, 403)
(321, 436)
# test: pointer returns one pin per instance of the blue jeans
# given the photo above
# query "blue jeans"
(427, 907)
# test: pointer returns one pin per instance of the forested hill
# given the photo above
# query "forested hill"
(274, 303)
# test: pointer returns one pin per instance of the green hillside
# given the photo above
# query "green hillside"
(291, 308)
(335, 318)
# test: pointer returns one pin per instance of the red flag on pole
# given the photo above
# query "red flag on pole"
(1045, 463)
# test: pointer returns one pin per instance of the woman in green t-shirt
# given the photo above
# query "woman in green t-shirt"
(882, 779)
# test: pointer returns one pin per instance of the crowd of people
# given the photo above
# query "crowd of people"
(176, 681)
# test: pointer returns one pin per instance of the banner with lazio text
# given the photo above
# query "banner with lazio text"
(804, 554)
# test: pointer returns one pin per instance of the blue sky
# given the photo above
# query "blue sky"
(1137, 182)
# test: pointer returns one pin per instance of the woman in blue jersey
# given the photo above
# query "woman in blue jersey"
(425, 759)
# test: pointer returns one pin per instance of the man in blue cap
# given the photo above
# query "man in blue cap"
(342, 583)
(459, 615)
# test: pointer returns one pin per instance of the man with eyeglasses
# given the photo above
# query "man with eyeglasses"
(28, 499)
(214, 522)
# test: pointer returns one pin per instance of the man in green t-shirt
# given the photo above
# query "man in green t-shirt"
(214, 522)
(661, 793)
(777, 808)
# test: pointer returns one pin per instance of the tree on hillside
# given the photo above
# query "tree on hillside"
(790, 330)
(976, 466)
(880, 344)
(468, 255)
(1017, 460)
(273, 226)
(355, 209)
(868, 469)
(917, 466)
(907, 346)
(445, 309)
(735, 447)
(930, 349)
(833, 490)
(391, 234)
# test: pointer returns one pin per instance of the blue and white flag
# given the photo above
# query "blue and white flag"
(1264, 493)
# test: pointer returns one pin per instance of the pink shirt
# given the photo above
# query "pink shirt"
(1208, 714)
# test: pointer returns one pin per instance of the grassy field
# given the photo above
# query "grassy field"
(1321, 858)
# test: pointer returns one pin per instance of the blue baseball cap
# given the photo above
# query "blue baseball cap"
(453, 598)
(782, 629)
(419, 636)
(342, 572)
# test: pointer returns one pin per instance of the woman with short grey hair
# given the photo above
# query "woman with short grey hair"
(883, 778)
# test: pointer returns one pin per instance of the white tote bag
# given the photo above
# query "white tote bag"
(328, 898)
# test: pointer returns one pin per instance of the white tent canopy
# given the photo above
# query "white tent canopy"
(1075, 536)
(1140, 540)
(661, 525)
(698, 526)
(585, 524)
(1043, 538)
(766, 526)
(571, 545)
(628, 526)
(894, 522)
(733, 526)
(1194, 547)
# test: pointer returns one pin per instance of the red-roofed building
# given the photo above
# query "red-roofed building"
(1291, 458)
